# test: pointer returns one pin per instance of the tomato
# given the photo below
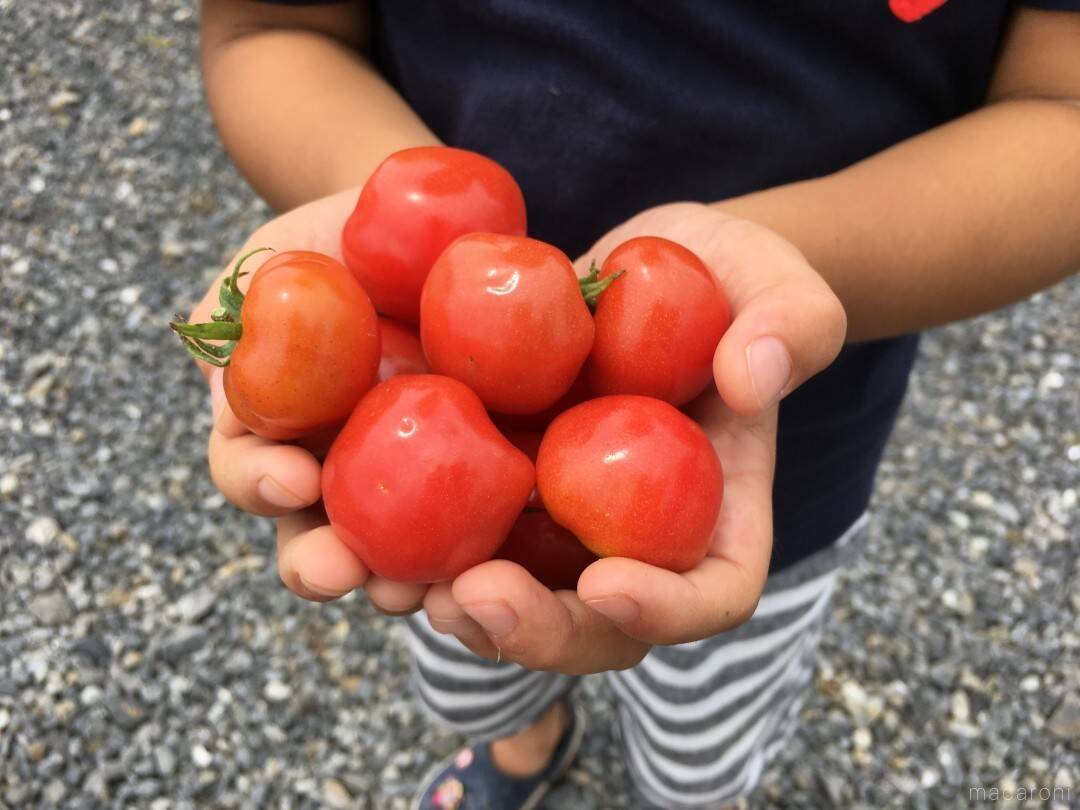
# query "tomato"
(303, 344)
(546, 550)
(658, 325)
(401, 350)
(416, 203)
(420, 484)
(505, 315)
(632, 476)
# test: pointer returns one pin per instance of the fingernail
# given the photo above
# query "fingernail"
(496, 618)
(449, 626)
(620, 609)
(770, 369)
(274, 493)
(318, 591)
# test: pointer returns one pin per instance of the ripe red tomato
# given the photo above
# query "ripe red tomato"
(401, 350)
(538, 422)
(632, 477)
(546, 550)
(505, 315)
(658, 325)
(304, 345)
(420, 484)
(416, 203)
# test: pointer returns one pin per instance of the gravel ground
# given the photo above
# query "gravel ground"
(150, 658)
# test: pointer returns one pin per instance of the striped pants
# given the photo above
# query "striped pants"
(700, 721)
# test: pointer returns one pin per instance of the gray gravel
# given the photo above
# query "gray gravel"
(149, 656)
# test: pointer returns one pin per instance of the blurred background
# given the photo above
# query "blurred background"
(149, 656)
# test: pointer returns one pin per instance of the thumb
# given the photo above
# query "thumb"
(782, 335)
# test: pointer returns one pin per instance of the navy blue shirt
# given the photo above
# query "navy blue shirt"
(602, 109)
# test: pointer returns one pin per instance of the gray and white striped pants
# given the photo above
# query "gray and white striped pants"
(700, 720)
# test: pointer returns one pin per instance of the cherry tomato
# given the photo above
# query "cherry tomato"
(304, 345)
(538, 422)
(420, 484)
(546, 550)
(402, 352)
(416, 203)
(505, 315)
(658, 325)
(632, 477)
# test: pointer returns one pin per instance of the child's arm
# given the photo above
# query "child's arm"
(300, 109)
(962, 219)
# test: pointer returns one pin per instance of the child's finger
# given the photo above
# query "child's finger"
(259, 475)
(445, 616)
(539, 629)
(312, 561)
(395, 598)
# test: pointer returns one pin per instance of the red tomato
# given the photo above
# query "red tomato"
(632, 477)
(505, 315)
(416, 203)
(658, 325)
(546, 550)
(306, 350)
(401, 350)
(420, 484)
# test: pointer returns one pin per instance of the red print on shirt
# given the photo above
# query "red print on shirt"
(914, 10)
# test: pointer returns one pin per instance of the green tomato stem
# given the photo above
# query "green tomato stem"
(592, 285)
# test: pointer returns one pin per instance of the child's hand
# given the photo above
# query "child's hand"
(623, 606)
(283, 480)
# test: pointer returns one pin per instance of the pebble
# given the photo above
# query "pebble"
(42, 531)
(336, 795)
(182, 643)
(195, 605)
(277, 692)
(1065, 720)
(201, 757)
(52, 608)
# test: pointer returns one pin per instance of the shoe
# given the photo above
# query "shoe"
(469, 780)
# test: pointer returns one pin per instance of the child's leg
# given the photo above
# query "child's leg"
(701, 721)
(473, 696)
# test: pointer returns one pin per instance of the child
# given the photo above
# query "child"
(864, 168)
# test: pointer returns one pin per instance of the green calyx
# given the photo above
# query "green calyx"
(224, 321)
(592, 285)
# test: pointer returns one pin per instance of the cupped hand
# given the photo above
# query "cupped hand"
(787, 325)
(282, 480)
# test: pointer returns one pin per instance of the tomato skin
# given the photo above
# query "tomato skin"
(420, 484)
(505, 315)
(528, 442)
(546, 550)
(416, 203)
(402, 352)
(538, 422)
(309, 349)
(632, 476)
(658, 325)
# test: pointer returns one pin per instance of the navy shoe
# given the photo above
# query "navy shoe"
(469, 780)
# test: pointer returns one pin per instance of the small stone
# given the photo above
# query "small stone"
(960, 706)
(929, 777)
(127, 713)
(1065, 721)
(1031, 683)
(182, 642)
(54, 793)
(1026, 567)
(1051, 381)
(201, 757)
(51, 608)
(336, 795)
(983, 500)
(862, 738)
(277, 692)
(950, 764)
(137, 126)
(91, 695)
(239, 662)
(195, 605)
(131, 659)
(35, 751)
(165, 760)
(5, 718)
(960, 520)
(958, 602)
(65, 98)
(9, 482)
(42, 531)
(93, 649)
